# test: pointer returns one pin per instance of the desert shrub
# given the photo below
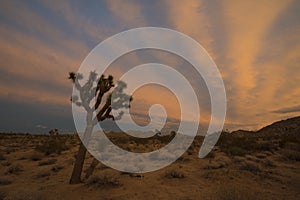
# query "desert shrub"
(42, 175)
(103, 180)
(232, 192)
(136, 175)
(250, 166)
(6, 163)
(211, 155)
(234, 145)
(5, 182)
(208, 175)
(261, 155)
(3, 195)
(73, 142)
(241, 145)
(190, 150)
(22, 158)
(48, 162)
(268, 163)
(183, 159)
(2, 157)
(236, 151)
(36, 157)
(289, 139)
(57, 168)
(215, 165)
(52, 145)
(290, 154)
(9, 150)
(174, 174)
(265, 146)
(15, 169)
(292, 146)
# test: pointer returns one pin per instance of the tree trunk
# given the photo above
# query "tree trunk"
(77, 170)
(91, 168)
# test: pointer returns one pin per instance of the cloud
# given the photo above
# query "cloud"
(129, 13)
(246, 31)
(32, 72)
(236, 38)
(36, 56)
(41, 126)
(81, 24)
(189, 18)
(255, 45)
(239, 45)
(288, 110)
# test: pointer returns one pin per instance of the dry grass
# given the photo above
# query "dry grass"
(2, 157)
(251, 166)
(241, 145)
(52, 145)
(36, 157)
(57, 168)
(226, 175)
(5, 181)
(50, 161)
(228, 191)
(42, 174)
(6, 163)
(15, 169)
(292, 155)
(103, 180)
(3, 195)
(173, 173)
(9, 150)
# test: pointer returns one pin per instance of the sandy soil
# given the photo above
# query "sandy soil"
(264, 173)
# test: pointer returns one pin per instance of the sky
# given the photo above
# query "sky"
(255, 44)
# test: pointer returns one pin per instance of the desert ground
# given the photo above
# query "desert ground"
(243, 165)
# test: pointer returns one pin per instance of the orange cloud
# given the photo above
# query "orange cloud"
(129, 13)
(186, 17)
(258, 60)
(247, 23)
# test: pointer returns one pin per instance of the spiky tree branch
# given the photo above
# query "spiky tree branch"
(88, 92)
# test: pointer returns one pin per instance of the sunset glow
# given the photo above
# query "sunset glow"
(255, 44)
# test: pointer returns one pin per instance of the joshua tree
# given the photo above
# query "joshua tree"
(95, 88)
(53, 132)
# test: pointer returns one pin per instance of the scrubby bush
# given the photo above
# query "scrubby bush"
(289, 139)
(265, 146)
(174, 174)
(15, 169)
(54, 144)
(3, 195)
(241, 145)
(211, 155)
(57, 168)
(5, 182)
(290, 154)
(9, 150)
(48, 162)
(236, 151)
(250, 166)
(6, 163)
(36, 157)
(2, 157)
(235, 146)
(103, 180)
(42, 175)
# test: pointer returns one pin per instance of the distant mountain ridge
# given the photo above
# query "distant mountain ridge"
(282, 127)
(289, 126)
